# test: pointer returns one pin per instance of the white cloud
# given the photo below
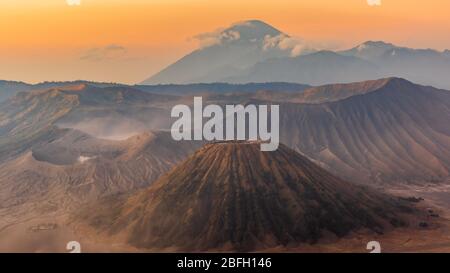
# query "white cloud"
(295, 45)
(217, 37)
(374, 2)
(73, 2)
(104, 53)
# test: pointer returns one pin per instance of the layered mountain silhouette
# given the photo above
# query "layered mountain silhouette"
(257, 52)
(232, 196)
(9, 89)
(367, 61)
(315, 69)
(425, 66)
(386, 130)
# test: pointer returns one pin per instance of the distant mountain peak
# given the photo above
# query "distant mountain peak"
(371, 49)
(396, 80)
(255, 30)
(335, 92)
(383, 82)
(242, 32)
(396, 83)
(374, 47)
(378, 44)
(254, 22)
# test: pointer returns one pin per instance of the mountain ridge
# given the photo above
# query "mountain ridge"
(377, 136)
(380, 117)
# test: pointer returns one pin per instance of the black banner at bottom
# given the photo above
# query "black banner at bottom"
(220, 262)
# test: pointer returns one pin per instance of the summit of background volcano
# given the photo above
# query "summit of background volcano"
(223, 53)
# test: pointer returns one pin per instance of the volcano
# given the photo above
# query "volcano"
(231, 196)
(223, 53)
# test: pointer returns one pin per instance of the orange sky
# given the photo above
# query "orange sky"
(50, 40)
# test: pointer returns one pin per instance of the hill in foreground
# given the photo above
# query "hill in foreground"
(232, 196)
